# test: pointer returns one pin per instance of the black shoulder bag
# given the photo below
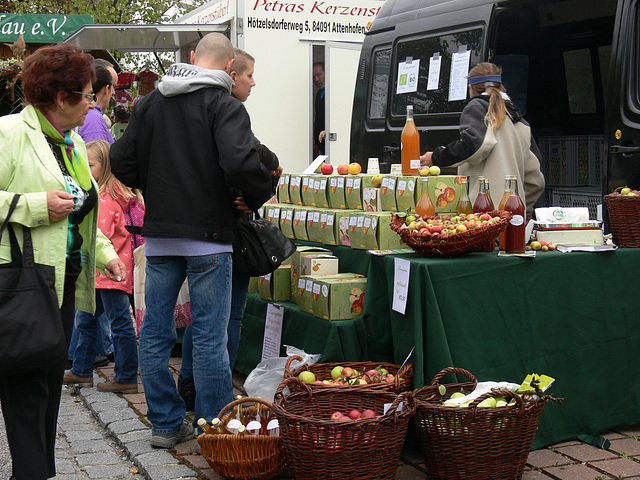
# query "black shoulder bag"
(31, 331)
(259, 247)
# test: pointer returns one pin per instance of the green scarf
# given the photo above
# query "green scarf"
(77, 167)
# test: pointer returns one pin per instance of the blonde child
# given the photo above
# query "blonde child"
(112, 298)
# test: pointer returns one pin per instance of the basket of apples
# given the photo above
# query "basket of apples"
(342, 433)
(487, 437)
(450, 236)
(359, 375)
(623, 206)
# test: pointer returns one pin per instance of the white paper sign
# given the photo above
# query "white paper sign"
(459, 71)
(434, 72)
(401, 271)
(272, 331)
(408, 76)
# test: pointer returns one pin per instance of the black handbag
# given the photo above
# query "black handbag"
(259, 247)
(31, 331)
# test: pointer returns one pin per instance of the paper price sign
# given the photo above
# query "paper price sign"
(401, 273)
(272, 331)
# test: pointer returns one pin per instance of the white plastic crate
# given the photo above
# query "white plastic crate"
(572, 160)
(561, 197)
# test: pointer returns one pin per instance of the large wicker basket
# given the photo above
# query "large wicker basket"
(474, 443)
(402, 382)
(624, 219)
(451, 245)
(320, 448)
(244, 457)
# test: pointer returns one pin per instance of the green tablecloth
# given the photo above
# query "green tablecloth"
(571, 316)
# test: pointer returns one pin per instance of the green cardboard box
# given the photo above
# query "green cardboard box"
(406, 196)
(445, 193)
(318, 264)
(377, 233)
(339, 298)
(354, 186)
(330, 225)
(371, 201)
(356, 230)
(388, 193)
(335, 192)
(253, 285)
(313, 224)
(320, 199)
(300, 223)
(283, 189)
(296, 266)
(306, 190)
(343, 231)
(306, 286)
(295, 183)
(286, 220)
(276, 286)
(272, 213)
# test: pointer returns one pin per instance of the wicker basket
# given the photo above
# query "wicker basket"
(452, 245)
(319, 448)
(246, 457)
(471, 443)
(624, 219)
(402, 382)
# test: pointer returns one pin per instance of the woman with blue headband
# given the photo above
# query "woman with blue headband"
(494, 141)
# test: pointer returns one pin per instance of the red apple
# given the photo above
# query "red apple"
(368, 413)
(343, 169)
(337, 416)
(354, 414)
(326, 169)
(348, 372)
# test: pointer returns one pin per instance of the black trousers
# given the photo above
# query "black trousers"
(30, 402)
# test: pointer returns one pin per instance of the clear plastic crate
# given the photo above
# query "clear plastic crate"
(561, 197)
(572, 160)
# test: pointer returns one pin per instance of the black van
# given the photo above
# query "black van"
(572, 66)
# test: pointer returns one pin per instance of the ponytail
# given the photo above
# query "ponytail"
(487, 77)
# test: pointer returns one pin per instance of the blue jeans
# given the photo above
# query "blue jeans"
(239, 288)
(115, 306)
(209, 278)
(104, 345)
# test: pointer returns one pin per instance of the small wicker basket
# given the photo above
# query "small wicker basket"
(624, 219)
(452, 245)
(318, 447)
(471, 443)
(244, 457)
(401, 383)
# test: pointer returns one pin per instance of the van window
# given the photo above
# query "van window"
(380, 83)
(434, 101)
(579, 75)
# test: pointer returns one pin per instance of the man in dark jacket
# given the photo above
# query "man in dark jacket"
(189, 147)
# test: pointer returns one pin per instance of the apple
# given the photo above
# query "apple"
(457, 394)
(434, 170)
(423, 171)
(348, 372)
(544, 248)
(436, 229)
(485, 403)
(354, 168)
(552, 246)
(625, 190)
(343, 169)
(485, 217)
(318, 382)
(368, 413)
(461, 228)
(376, 181)
(536, 245)
(354, 414)
(307, 376)
(336, 416)
(336, 373)
(326, 169)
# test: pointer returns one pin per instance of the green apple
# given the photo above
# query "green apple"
(457, 395)
(307, 376)
(501, 403)
(624, 191)
(336, 373)
(536, 245)
(434, 170)
(485, 403)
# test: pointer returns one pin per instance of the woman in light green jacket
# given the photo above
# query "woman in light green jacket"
(42, 159)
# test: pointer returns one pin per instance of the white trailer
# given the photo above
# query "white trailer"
(286, 38)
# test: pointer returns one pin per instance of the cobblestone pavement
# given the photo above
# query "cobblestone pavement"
(106, 436)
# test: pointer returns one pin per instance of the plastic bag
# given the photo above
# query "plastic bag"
(263, 381)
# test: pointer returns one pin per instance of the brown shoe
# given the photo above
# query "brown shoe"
(70, 378)
(113, 386)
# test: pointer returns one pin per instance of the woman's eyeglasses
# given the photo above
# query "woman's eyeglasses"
(89, 97)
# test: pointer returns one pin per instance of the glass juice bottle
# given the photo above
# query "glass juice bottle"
(483, 201)
(514, 234)
(503, 202)
(464, 204)
(410, 145)
(425, 207)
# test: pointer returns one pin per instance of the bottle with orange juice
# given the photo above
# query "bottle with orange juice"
(425, 207)
(410, 145)
(464, 204)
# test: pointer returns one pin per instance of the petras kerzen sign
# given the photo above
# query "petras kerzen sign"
(40, 28)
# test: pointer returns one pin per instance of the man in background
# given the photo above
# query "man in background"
(318, 122)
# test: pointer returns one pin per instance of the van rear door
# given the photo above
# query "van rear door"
(622, 120)
(420, 33)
